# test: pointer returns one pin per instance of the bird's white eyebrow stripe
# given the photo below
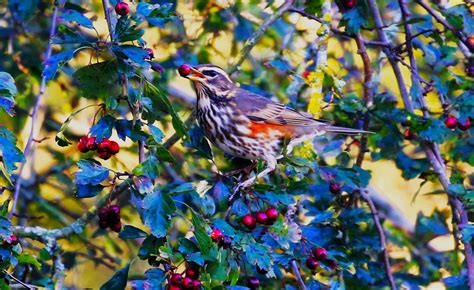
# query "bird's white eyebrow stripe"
(216, 69)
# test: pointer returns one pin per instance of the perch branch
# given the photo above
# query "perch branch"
(34, 114)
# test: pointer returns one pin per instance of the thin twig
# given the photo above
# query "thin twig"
(446, 24)
(252, 41)
(296, 272)
(34, 114)
(368, 100)
(317, 19)
(383, 244)
(28, 286)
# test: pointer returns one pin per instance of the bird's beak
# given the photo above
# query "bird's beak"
(195, 75)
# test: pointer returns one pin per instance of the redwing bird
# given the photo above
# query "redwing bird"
(247, 125)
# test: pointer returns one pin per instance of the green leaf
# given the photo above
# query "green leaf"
(75, 16)
(99, 80)
(25, 258)
(126, 31)
(7, 92)
(90, 173)
(204, 241)
(52, 64)
(148, 168)
(118, 281)
(131, 232)
(8, 151)
(158, 207)
(161, 102)
(164, 154)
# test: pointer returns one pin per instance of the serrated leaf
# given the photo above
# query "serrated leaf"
(26, 258)
(7, 92)
(156, 133)
(132, 55)
(148, 168)
(52, 64)
(8, 151)
(126, 128)
(103, 128)
(131, 232)
(99, 80)
(158, 207)
(75, 16)
(118, 280)
(90, 173)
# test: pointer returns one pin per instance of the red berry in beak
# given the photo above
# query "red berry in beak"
(184, 70)
(122, 8)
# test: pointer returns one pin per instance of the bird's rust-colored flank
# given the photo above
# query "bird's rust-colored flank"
(274, 130)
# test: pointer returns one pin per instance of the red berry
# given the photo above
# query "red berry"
(320, 253)
(451, 122)
(464, 126)
(184, 70)
(249, 221)
(103, 224)
(332, 264)
(272, 214)
(14, 240)
(151, 54)
(187, 283)
(335, 188)
(192, 273)
(197, 284)
(305, 74)
(116, 227)
(91, 145)
(253, 282)
(470, 42)
(104, 145)
(114, 147)
(350, 3)
(261, 217)
(104, 155)
(115, 209)
(82, 145)
(176, 279)
(103, 213)
(408, 134)
(121, 8)
(311, 263)
(216, 235)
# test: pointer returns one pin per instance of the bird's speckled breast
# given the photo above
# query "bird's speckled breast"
(228, 129)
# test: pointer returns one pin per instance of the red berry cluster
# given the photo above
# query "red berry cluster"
(122, 8)
(267, 217)
(320, 254)
(12, 241)
(109, 216)
(105, 149)
(452, 122)
(408, 134)
(190, 281)
(221, 239)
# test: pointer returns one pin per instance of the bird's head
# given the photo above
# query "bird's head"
(208, 77)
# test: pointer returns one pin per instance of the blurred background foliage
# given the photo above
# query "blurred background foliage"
(298, 61)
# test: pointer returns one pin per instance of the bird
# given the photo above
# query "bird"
(247, 125)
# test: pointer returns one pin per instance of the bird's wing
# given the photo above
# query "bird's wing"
(262, 110)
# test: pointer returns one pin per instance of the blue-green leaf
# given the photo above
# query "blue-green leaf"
(118, 280)
(90, 173)
(74, 16)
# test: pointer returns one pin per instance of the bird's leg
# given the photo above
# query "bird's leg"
(271, 165)
(246, 170)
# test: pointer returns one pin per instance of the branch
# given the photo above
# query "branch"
(431, 149)
(34, 114)
(297, 274)
(257, 35)
(368, 100)
(317, 19)
(448, 26)
(383, 245)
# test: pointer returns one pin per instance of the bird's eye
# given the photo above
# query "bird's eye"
(209, 73)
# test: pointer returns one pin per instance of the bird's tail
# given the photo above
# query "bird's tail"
(345, 131)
